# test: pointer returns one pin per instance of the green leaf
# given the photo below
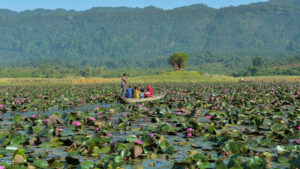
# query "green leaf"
(132, 138)
(3, 134)
(233, 148)
(256, 162)
(41, 163)
(18, 139)
(164, 145)
(17, 118)
(277, 127)
(87, 165)
(203, 165)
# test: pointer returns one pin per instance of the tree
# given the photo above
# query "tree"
(258, 61)
(178, 60)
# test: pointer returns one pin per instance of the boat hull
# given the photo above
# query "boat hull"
(133, 100)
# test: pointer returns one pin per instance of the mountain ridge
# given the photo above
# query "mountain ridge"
(144, 37)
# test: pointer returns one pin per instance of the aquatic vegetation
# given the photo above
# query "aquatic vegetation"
(209, 125)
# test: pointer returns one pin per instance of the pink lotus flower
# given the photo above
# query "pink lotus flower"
(139, 105)
(97, 129)
(174, 125)
(2, 167)
(208, 117)
(99, 113)
(76, 123)
(179, 113)
(109, 134)
(170, 112)
(151, 135)
(46, 120)
(124, 115)
(190, 129)
(60, 129)
(139, 142)
(298, 128)
(96, 108)
(276, 104)
(212, 98)
(173, 92)
(33, 116)
(298, 141)
(230, 98)
(92, 118)
(189, 134)
(1, 105)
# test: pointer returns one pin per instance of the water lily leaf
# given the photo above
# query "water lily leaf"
(277, 127)
(131, 138)
(283, 160)
(203, 165)
(37, 129)
(118, 159)
(18, 118)
(164, 145)
(220, 165)
(12, 148)
(3, 134)
(18, 139)
(87, 165)
(147, 140)
(166, 128)
(256, 162)
(18, 158)
(233, 148)
(41, 163)
(104, 150)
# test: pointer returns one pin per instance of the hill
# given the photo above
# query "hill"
(144, 37)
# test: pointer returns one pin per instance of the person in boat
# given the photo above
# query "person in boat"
(123, 84)
(136, 93)
(149, 92)
(129, 92)
(142, 94)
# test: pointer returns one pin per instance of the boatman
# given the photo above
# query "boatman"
(123, 84)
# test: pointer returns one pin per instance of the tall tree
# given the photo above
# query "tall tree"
(178, 60)
(258, 61)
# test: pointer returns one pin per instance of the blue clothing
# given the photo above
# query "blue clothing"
(142, 95)
(129, 93)
(123, 91)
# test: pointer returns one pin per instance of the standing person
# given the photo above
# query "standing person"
(123, 84)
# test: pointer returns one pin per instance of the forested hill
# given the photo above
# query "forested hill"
(122, 37)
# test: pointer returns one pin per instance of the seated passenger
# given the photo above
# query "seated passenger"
(129, 92)
(142, 94)
(149, 92)
(136, 93)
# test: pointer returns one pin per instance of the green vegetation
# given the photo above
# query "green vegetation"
(197, 125)
(178, 60)
(291, 66)
(132, 38)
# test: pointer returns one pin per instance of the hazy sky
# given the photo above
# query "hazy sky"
(20, 5)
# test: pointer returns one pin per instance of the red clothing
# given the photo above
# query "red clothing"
(149, 92)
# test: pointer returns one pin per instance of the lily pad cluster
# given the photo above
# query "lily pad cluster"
(212, 125)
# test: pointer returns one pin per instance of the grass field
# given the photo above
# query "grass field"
(169, 77)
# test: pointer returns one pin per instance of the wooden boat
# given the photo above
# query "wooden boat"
(154, 97)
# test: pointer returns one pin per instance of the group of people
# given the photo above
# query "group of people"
(136, 92)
